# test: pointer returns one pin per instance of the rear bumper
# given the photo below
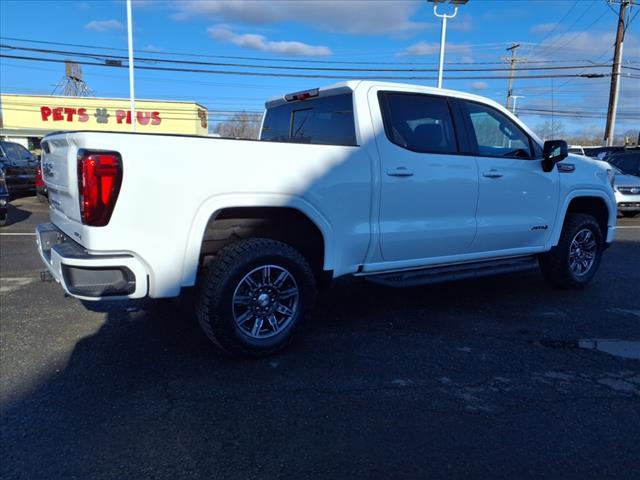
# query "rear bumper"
(87, 276)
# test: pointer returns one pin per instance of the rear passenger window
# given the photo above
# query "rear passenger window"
(421, 123)
(323, 120)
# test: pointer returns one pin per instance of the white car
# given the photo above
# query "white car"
(577, 149)
(627, 191)
(400, 184)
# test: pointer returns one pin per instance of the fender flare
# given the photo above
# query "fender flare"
(215, 204)
(608, 200)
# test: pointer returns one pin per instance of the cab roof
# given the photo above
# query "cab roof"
(356, 85)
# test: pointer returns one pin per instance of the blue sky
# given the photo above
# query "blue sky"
(376, 34)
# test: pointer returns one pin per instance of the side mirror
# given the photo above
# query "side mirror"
(553, 152)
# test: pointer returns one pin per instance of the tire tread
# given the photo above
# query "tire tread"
(554, 264)
(217, 270)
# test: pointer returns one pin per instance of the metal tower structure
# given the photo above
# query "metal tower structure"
(72, 84)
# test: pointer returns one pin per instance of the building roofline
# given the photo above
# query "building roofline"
(186, 102)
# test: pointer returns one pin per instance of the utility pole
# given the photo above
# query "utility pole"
(512, 60)
(615, 74)
(132, 96)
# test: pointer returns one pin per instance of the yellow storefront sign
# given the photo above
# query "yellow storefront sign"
(42, 114)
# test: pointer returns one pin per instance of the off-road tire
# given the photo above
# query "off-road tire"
(218, 280)
(555, 263)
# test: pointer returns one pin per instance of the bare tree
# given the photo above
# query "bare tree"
(243, 125)
(549, 131)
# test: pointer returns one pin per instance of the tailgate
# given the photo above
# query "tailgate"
(60, 174)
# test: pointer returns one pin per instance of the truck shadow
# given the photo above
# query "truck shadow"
(148, 392)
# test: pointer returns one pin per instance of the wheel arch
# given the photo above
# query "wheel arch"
(593, 202)
(226, 206)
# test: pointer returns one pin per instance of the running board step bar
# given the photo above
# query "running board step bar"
(426, 276)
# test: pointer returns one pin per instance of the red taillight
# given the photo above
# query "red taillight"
(99, 180)
(39, 181)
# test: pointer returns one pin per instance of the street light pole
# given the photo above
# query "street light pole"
(515, 98)
(443, 36)
(443, 32)
(132, 95)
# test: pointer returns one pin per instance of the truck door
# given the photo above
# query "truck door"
(429, 189)
(517, 200)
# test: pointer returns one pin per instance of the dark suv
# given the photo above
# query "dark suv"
(19, 166)
(628, 162)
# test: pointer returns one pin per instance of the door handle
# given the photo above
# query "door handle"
(493, 173)
(400, 172)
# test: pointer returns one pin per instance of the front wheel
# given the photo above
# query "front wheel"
(253, 295)
(576, 258)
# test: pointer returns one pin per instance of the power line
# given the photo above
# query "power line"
(289, 60)
(159, 79)
(278, 67)
(577, 34)
(593, 2)
(297, 75)
(554, 28)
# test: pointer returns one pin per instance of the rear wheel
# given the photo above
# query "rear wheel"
(253, 295)
(576, 258)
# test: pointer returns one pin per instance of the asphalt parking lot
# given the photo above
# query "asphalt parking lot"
(487, 378)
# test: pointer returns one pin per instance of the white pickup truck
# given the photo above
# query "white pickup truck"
(401, 184)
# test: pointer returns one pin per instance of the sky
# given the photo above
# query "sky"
(367, 35)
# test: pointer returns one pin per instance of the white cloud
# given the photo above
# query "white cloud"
(354, 17)
(543, 27)
(104, 25)
(422, 49)
(259, 42)
(479, 85)
(462, 24)
(584, 45)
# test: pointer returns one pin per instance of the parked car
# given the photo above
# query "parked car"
(402, 185)
(19, 166)
(4, 199)
(601, 153)
(628, 162)
(577, 149)
(627, 190)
